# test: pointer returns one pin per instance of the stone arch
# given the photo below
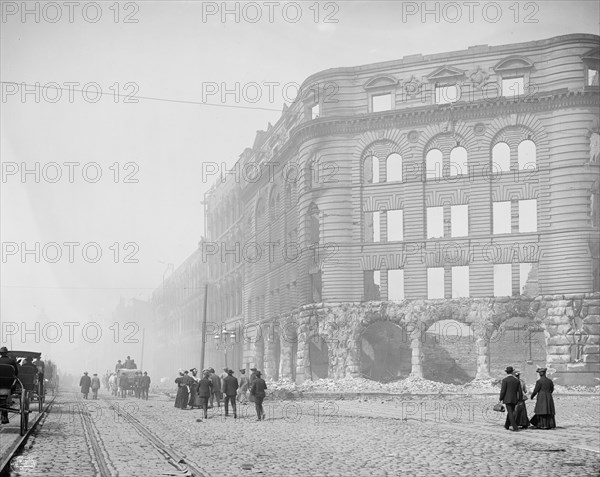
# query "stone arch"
(385, 353)
(449, 352)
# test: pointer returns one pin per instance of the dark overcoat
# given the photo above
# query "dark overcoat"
(544, 388)
(511, 392)
(204, 387)
(230, 385)
(85, 382)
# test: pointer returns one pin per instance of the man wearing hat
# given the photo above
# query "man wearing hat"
(204, 392)
(510, 394)
(95, 386)
(85, 382)
(243, 389)
(5, 359)
(258, 390)
(251, 382)
(230, 387)
(216, 388)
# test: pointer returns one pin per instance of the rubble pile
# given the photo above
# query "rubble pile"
(410, 385)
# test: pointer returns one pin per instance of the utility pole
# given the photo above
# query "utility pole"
(204, 328)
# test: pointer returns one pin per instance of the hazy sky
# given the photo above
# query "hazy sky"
(175, 51)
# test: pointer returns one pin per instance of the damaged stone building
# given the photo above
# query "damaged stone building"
(434, 215)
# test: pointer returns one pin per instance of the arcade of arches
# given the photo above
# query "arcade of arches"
(452, 341)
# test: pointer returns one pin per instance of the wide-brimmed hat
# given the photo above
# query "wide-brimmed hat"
(541, 370)
(253, 369)
(509, 369)
(517, 372)
(230, 371)
(258, 373)
(242, 370)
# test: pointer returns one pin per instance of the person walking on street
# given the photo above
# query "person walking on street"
(181, 399)
(544, 412)
(243, 389)
(230, 387)
(123, 384)
(258, 390)
(510, 395)
(95, 386)
(85, 382)
(216, 388)
(145, 385)
(194, 389)
(251, 380)
(6, 359)
(205, 392)
(521, 409)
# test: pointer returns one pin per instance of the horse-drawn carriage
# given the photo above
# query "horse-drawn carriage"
(26, 387)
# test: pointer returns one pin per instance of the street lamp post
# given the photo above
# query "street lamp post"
(221, 342)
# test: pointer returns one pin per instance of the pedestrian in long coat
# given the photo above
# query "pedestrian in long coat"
(204, 392)
(95, 386)
(85, 382)
(243, 389)
(510, 395)
(521, 409)
(230, 387)
(251, 380)
(194, 399)
(181, 399)
(544, 406)
(258, 390)
(216, 388)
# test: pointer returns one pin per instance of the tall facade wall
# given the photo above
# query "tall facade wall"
(346, 203)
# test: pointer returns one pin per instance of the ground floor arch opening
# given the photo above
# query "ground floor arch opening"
(385, 352)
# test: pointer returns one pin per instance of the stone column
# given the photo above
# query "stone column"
(417, 358)
(285, 360)
(416, 344)
(482, 343)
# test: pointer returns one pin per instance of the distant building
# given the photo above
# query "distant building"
(456, 186)
(177, 307)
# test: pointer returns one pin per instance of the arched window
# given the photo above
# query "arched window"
(394, 168)
(458, 161)
(371, 170)
(527, 155)
(501, 157)
(433, 164)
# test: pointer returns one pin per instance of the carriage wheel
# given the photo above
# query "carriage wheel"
(24, 412)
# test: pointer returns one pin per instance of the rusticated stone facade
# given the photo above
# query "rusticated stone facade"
(407, 192)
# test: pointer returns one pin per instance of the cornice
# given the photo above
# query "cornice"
(420, 116)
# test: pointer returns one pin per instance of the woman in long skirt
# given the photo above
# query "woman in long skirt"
(181, 400)
(544, 406)
(520, 408)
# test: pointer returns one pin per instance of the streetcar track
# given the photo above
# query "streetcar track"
(94, 442)
(20, 443)
(173, 457)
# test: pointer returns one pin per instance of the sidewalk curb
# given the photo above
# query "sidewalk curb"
(349, 396)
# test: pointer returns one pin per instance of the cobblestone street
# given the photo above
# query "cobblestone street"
(456, 435)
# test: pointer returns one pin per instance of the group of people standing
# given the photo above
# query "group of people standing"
(513, 396)
(202, 392)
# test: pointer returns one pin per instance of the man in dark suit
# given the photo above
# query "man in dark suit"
(204, 392)
(258, 390)
(230, 387)
(510, 394)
